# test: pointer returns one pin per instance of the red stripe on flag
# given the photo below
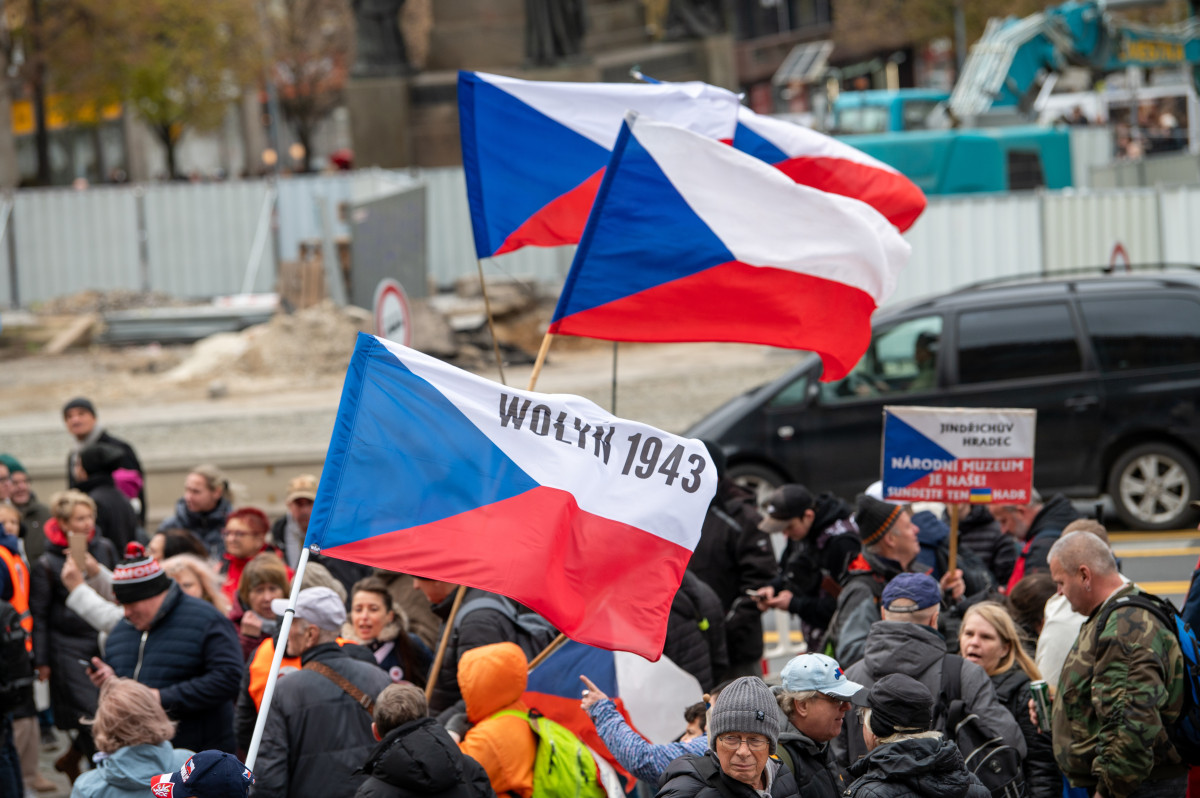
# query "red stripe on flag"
(741, 303)
(559, 221)
(601, 582)
(893, 195)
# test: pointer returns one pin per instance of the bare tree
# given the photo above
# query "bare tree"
(312, 48)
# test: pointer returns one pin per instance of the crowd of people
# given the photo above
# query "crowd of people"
(152, 650)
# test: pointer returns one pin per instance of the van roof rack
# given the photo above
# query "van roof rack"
(1079, 271)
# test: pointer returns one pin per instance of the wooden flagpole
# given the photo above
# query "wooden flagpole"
(953, 564)
(487, 307)
(545, 653)
(445, 641)
(541, 360)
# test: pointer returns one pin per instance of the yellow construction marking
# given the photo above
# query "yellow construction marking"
(1147, 552)
(773, 637)
(1166, 588)
(1142, 537)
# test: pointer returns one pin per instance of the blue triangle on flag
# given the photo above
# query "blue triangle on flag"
(902, 441)
(751, 143)
(397, 436)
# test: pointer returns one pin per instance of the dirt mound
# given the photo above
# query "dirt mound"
(313, 342)
(92, 301)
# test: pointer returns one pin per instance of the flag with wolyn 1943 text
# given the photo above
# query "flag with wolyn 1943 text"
(586, 518)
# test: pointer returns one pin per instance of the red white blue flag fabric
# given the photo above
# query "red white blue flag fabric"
(534, 151)
(651, 696)
(691, 240)
(584, 517)
(823, 162)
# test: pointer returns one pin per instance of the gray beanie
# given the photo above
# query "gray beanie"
(748, 706)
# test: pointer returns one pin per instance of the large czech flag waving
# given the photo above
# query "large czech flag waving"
(534, 151)
(584, 517)
(691, 240)
(814, 159)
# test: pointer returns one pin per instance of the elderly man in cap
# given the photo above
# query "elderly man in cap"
(318, 730)
(822, 540)
(743, 732)
(907, 641)
(180, 646)
(906, 757)
(815, 698)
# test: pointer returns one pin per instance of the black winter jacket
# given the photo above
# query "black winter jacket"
(476, 628)
(420, 759)
(115, 518)
(696, 631)
(813, 766)
(206, 526)
(700, 776)
(60, 637)
(129, 461)
(317, 736)
(979, 531)
(810, 568)
(1046, 527)
(192, 656)
(1042, 776)
(734, 556)
(927, 767)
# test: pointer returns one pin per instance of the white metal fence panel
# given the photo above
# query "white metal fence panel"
(199, 237)
(1180, 209)
(452, 244)
(299, 217)
(967, 239)
(69, 241)
(1083, 229)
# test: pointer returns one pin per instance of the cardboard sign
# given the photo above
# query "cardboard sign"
(958, 455)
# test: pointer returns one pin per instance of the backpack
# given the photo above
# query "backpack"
(564, 767)
(993, 761)
(534, 632)
(1185, 732)
(16, 666)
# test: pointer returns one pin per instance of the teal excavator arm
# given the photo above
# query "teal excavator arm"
(1006, 66)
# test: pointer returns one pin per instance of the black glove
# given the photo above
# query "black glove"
(458, 724)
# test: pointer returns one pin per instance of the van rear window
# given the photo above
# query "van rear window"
(1143, 332)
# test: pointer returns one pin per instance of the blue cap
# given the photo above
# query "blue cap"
(208, 774)
(920, 588)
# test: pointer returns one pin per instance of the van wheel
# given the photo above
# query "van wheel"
(758, 478)
(1152, 486)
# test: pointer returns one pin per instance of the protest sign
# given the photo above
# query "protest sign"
(958, 455)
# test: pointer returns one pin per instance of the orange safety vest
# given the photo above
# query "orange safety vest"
(260, 668)
(19, 574)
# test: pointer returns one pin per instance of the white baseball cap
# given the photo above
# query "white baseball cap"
(820, 673)
(320, 606)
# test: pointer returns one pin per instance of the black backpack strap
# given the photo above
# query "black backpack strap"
(949, 705)
(1156, 606)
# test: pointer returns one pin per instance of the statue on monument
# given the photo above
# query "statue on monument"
(381, 50)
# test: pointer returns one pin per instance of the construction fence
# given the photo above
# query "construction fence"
(212, 239)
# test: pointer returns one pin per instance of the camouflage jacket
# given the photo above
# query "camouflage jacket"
(1116, 695)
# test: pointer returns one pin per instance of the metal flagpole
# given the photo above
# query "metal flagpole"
(280, 648)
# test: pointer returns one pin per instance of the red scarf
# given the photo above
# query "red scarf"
(56, 536)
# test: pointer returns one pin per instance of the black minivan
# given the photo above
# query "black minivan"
(1111, 363)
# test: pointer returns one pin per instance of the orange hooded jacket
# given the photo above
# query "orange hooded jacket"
(492, 678)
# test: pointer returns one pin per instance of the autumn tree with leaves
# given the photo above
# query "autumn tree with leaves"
(312, 48)
(176, 65)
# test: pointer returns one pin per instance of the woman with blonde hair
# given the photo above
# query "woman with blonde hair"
(989, 638)
(196, 578)
(134, 733)
(61, 637)
(207, 499)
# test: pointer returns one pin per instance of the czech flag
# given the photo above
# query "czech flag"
(814, 159)
(534, 151)
(691, 240)
(651, 696)
(584, 517)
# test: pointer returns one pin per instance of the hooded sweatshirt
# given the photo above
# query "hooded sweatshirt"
(492, 678)
(928, 767)
(127, 772)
